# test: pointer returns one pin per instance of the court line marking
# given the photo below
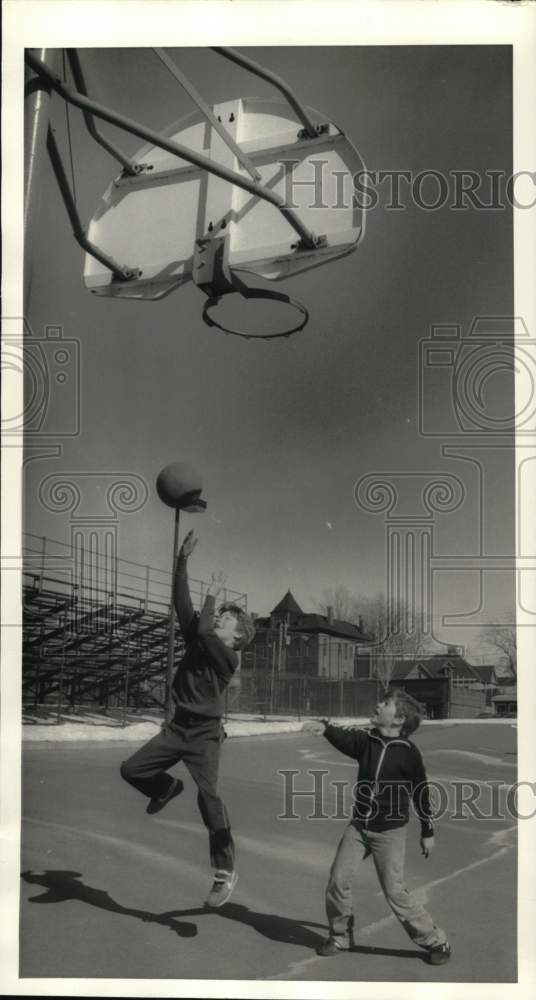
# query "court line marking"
(295, 968)
(145, 853)
(307, 855)
(310, 855)
(480, 757)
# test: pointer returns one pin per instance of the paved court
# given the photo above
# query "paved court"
(108, 891)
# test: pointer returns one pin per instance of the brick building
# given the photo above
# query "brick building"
(291, 641)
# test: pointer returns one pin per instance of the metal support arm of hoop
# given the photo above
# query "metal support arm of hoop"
(310, 129)
(128, 165)
(120, 273)
(309, 239)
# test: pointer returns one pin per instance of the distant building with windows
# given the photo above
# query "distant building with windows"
(445, 682)
(291, 641)
(505, 702)
(443, 664)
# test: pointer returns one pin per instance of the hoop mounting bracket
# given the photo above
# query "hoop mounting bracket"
(210, 270)
(318, 241)
(318, 130)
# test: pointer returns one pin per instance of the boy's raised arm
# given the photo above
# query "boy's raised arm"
(224, 659)
(181, 591)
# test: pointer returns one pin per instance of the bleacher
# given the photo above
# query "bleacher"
(95, 630)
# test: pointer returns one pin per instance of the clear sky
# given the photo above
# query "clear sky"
(281, 431)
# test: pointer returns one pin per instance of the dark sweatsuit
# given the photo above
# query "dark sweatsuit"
(195, 735)
(391, 776)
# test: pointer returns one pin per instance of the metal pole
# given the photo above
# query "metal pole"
(37, 93)
(341, 678)
(43, 554)
(127, 673)
(37, 679)
(329, 673)
(198, 159)
(171, 635)
(273, 679)
(147, 578)
(62, 669)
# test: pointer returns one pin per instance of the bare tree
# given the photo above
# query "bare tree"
(503, 638)
(395, 630)
(345, 605)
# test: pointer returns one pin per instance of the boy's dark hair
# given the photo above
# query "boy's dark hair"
(246, 628)
(408, 708)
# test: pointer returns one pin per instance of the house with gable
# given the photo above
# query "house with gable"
(292, 641)
(444, 682)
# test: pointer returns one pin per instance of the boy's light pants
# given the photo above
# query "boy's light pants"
(388, 850)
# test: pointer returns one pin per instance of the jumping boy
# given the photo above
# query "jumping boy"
(391, 775)
(195, 734)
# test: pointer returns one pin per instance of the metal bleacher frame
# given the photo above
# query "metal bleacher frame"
(95, 629)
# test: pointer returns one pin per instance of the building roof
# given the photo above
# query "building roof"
(441, 663)
(486, 672)
(287, 606)
(289, 610)
(401, 669)
(320, 624)
(509, 695)
(436, 665)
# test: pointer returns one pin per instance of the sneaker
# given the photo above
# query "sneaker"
(439, 954)
(331, 946)
(155, 805)
(222, 887)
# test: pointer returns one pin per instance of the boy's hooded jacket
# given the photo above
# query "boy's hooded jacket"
(391, 775)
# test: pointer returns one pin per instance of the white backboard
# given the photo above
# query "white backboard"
(151, 221)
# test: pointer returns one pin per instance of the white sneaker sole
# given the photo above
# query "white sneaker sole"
(225, 894)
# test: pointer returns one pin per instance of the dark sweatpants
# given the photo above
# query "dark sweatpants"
(196, 740)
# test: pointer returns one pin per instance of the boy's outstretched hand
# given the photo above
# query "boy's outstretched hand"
(427, 846)
(216, 584)
(314, 726)
(188, 545)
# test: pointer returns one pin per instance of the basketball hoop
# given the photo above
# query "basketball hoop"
(224, 173)
(239, 288)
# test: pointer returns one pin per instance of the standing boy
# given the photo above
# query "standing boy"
(391, 775)
(195, 734)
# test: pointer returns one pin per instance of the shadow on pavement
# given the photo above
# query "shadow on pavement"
(62, 886)
(270, 925)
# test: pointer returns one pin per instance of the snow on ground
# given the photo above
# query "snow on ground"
(138, 729)
(105, 728)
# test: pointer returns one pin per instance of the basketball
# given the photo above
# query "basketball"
(178, 484)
